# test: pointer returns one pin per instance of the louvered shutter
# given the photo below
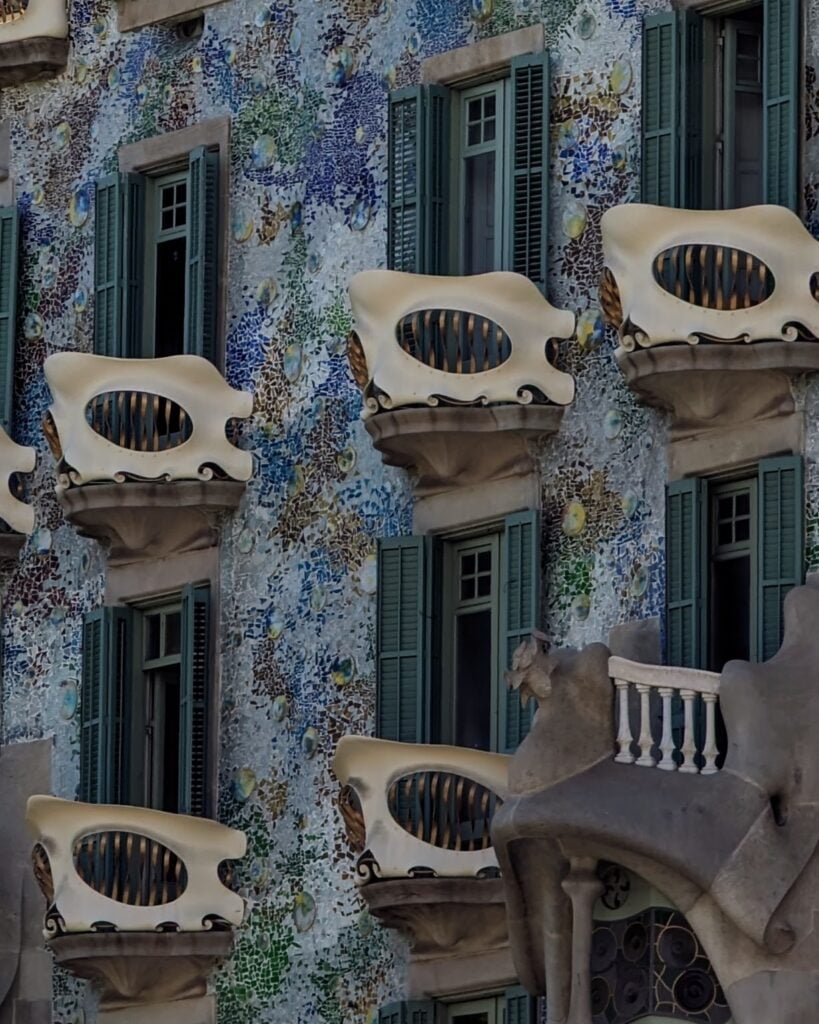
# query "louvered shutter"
(691, 109)
(781, 545)
(104, 706)
(780, 73)
(118, 242)
(201, 298)
(9, 242)
(418, 185)
(412, 1012)
(686, 543)
(194, 700)
(521, 1008)
(401, 654)
(661, 154)
(519, 615)
(529, 161)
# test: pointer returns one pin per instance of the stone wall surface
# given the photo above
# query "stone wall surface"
(305, 83)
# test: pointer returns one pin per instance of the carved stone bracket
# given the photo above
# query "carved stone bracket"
(137, 521)
(447, 448)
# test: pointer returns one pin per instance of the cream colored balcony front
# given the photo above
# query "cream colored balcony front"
(419, 818)
(715, 310)
(458, 373)
(33, 39)
(144, 461)
(137, 902)
(16, 516)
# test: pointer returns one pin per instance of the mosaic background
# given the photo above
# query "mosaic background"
(305, 82)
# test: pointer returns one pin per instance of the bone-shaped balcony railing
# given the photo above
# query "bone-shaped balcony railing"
(672, 704)
(129, 869)
(145, 419)
(414, 809)
(32, 19)
(14, 459)
(422, 340)
(685, 276)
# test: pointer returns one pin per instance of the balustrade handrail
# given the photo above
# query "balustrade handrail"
(689, 745)
(372, 767)
(187, 391)
(725, 253)
(15, 458)
(199, 844)
(467, 340)
(39, 19)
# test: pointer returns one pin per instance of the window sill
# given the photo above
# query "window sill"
(134, 14)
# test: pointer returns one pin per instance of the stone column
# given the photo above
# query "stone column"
(583, 887)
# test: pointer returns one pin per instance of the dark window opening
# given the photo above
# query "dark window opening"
(473, 680)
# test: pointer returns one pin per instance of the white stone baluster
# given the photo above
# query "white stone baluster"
(645, 741)
(689, 746)
(709, 751)
(624, 736)
(667, 762)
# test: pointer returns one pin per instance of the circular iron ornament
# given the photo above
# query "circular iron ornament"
(677, 947)
(600, 996)
(631, 993)
(617, 887)
(694, 991)
(635, 941)
(604, 949)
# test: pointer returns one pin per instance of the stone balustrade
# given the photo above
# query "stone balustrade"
(685, 276)
(677, 717)
(425, 341)
(142, 419)
(415, 810)
(109, 868)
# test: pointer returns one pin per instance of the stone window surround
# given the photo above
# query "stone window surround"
(164, 152)
(137, 582)
(482, 58)
(133, 14)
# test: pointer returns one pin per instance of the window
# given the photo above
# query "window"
(451, 612)
(144, 708)
(720, 106)
(734, 549)
(514, 1006)
(468, 175)
(156, 265)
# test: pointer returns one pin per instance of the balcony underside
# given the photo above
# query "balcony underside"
(136, 521)
(29, 60)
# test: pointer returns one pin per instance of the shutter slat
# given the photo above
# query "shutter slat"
(194, 701)
(521, 1008)
(685, 597)
(780, 75)
(529, 145)
(661, 155)
(201, 298)
(401, 638)
(780, 563)
(118, 241)
(519, 615)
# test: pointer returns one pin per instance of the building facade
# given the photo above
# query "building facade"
(245, 531)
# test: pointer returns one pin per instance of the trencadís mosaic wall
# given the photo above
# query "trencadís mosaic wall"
(305, 82)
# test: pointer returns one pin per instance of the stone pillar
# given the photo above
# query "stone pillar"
(583, 887)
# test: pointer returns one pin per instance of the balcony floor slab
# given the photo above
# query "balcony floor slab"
(29, 60)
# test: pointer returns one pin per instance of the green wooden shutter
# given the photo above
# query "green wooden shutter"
(411, 1012)
(201, 298)
(692, 55)
(118, 241)
(104, 706)
(529, 161)
(521, 1008)
(401, 655)
(686, 543)
(780, 565)
(418, 185)
(9, 243)
(781, 98)
(194, 701)
(661, 84)
(519, 615)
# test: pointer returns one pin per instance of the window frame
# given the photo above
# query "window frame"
(154, 235)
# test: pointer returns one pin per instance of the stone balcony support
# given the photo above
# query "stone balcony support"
(33, 40)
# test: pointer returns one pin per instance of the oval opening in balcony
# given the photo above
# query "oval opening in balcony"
(139, 421)
(130, 868)
(12, 10)
(453, 341)
(445, 810)
(714, 276)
